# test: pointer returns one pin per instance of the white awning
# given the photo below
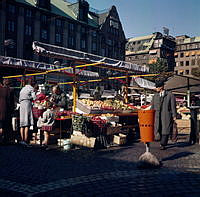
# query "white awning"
(152, 51)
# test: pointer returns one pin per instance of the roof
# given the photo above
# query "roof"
(143, 47)
(61, 8)
(102, 17)
(187, 40)
(141, 38)
(179, 83)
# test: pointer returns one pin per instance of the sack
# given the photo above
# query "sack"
(174, 135)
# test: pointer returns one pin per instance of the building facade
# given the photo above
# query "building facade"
(187, 55)
(58, 22)
(147, 49)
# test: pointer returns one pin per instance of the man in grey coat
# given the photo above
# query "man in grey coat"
(164, 104)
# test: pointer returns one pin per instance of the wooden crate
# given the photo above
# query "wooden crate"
(183, 126)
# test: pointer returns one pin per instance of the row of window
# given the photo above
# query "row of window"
(187, 54)
(183, 72)
(138, 42)
(187, 46)
(193, 62)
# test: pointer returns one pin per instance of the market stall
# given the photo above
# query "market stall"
(95, 123)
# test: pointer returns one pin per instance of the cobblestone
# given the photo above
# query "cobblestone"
(112, 172)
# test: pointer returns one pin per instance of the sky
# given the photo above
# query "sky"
(143, 17)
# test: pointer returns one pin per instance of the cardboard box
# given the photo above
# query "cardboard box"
(83, 141)
(119, 139)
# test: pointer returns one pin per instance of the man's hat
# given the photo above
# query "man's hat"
(159, 84)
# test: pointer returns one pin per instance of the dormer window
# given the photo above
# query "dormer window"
(83, 10)
(45, 4)
(11, 9)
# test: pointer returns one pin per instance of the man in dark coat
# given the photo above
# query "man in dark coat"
(6, 110)
(164, 104)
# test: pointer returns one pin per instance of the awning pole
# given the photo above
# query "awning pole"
(126, 89)
(74, 89)
(188, 93)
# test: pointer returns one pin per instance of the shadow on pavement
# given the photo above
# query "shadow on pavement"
(87, 173)
(177, 156)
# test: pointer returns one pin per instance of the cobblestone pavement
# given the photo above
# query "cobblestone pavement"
(112, 172)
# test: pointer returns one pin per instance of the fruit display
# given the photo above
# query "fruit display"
(64, 113)
(107, 105)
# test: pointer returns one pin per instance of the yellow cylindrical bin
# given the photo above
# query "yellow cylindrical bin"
(146, 124)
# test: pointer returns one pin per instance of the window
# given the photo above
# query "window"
(181, 72)
(114, 24)
(183, 47)
(58, 23)
(103, 52)
(177, 63)
(58, 37)
(28, 13)
(71, 27)
(181, 63)
(94, 34)
(83, 30)
(28, 30)
(198, 62)
(187, 63)
(187, 72)
(43, 18)
(44, 34)
(83, 43)
(71, 41)
(110, 42)
(11, 26)
(43, 4)
(176, 72)
(193, 62)
(182, 55)
(11, 9)
(94, 46)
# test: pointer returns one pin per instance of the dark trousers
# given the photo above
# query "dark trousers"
(164, 140)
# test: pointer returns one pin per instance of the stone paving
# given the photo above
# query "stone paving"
(34, 172)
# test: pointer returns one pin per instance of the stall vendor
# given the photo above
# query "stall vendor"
(58, 97)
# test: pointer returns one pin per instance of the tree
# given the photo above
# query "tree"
(196, 72)
(160, 67)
